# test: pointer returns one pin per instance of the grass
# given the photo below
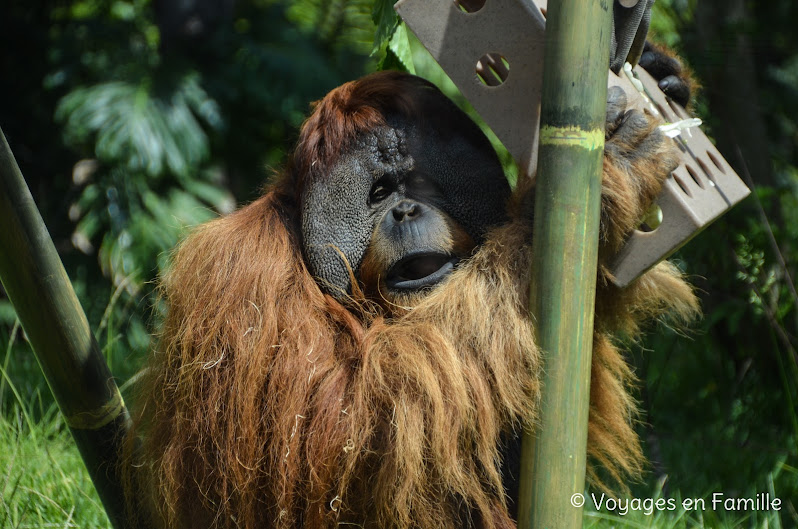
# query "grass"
(43, 482)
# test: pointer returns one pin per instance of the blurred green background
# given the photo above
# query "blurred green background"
(133, 120)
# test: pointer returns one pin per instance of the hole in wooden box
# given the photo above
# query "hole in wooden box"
(493, 69)
(716, 162)
(707, 170)
(469, 6)
(682, 185)
(652, 219)
(694, 175)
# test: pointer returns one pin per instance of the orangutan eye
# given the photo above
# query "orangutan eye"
(379, 192)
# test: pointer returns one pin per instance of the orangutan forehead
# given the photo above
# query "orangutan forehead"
(387, 148)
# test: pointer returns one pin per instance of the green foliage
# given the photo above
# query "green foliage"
(341, 24)
(134, 128)
(398, 52)
(386, 20)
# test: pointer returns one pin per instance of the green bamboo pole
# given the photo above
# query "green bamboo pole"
(566, 224)
(37, 285)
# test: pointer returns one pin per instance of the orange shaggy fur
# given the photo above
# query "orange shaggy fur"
(267, 403)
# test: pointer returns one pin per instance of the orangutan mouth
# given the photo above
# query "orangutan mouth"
(420, 270)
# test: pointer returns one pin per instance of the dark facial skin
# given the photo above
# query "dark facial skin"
(401, 207)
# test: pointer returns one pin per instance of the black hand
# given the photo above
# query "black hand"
(669, 73)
